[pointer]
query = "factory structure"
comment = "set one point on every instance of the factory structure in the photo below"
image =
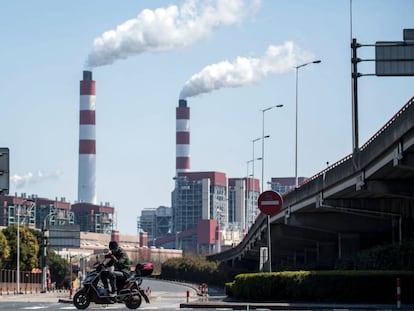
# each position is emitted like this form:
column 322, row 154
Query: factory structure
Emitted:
column 84, row 226
column 208, row 212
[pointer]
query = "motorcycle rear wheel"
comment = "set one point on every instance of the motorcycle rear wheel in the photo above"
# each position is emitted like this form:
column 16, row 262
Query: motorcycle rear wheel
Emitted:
column 81, row 300
column 135, row 301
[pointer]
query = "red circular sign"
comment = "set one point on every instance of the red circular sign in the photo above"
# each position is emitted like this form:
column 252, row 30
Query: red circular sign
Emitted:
column 270, row 202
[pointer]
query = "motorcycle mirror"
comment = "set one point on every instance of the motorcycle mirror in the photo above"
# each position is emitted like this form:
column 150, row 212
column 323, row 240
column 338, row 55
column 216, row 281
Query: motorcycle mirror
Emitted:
column 106, row 251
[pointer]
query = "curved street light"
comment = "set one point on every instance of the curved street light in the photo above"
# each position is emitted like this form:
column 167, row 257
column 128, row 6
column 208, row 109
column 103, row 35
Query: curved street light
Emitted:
column 263, row 162
column 263, row 137
column 296, row 119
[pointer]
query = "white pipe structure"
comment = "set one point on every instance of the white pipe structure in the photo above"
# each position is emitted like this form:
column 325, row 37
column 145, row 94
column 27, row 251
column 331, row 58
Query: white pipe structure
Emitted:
column 296, row 118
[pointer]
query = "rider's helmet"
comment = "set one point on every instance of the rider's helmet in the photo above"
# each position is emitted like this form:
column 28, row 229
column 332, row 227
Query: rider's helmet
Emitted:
column 113, row 245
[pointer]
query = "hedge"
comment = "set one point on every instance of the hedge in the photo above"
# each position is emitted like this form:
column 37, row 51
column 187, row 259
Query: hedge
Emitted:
column 324, row 286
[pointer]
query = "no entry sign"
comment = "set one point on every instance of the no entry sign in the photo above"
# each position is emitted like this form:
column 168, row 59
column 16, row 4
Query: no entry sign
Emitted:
column 270, row 202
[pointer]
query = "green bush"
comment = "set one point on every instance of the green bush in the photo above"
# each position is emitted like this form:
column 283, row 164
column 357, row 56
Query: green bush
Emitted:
column 382, row 257
column 323, row 286
column 193, row 269
column 198, row 270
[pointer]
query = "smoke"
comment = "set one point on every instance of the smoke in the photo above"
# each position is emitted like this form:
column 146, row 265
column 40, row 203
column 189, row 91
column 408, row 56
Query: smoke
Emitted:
column 29, row 178
column 242, row 71
column 167, row 28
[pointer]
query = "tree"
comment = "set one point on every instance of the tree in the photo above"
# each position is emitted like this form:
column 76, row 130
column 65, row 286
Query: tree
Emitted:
column 29, row 248
column 4, row 249
column 59, row 269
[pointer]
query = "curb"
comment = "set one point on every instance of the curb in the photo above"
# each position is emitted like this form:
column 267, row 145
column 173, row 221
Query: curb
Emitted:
column 63, row 300
column 291, row 306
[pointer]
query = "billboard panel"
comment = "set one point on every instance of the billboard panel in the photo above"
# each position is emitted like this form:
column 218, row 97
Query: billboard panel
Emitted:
column 4, row 171
column 408, row 34
column 394, row 59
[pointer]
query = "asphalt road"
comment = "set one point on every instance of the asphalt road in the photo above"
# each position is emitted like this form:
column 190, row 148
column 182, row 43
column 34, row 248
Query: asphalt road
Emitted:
column 164, row 296
column 173, row 296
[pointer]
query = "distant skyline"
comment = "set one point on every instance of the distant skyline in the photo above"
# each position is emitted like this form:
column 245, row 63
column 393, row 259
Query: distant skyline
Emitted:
column 229, row 59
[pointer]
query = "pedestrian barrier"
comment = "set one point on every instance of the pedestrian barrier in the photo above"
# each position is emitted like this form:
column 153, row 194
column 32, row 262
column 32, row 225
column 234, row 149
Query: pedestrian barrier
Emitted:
column 204, row 291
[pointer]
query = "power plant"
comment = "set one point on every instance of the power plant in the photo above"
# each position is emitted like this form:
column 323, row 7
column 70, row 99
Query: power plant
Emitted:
column 208, row 209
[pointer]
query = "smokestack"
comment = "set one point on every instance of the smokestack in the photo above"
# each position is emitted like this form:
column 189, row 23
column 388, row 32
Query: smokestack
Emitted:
column 182, row 162
column 87, row 141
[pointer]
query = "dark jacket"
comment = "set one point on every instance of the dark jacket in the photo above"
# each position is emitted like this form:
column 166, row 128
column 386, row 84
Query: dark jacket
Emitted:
column 121, row 261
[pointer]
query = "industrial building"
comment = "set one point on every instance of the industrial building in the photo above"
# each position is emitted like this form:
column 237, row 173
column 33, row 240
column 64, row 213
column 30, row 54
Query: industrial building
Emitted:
column 62, row 220
column 94, row 218
column 156, row 222
column 243, row 195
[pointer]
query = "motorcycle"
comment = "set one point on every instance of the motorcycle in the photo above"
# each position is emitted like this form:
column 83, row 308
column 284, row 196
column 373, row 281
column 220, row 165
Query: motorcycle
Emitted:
column 129, row 291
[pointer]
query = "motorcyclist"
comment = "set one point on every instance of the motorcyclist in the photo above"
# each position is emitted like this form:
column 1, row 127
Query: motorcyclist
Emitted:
column 119, row 259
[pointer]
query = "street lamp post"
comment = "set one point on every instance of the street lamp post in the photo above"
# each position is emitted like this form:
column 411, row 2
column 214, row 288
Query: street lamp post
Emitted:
column 296, row 118
column 250, row 189
column 18, row 240
column 261, row 158
column 263, row 162
column 45, row 236
column 219, row 213
column 263, row 137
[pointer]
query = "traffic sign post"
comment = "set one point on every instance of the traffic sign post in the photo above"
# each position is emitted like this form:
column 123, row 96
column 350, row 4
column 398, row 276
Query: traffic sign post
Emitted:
column 269, row 202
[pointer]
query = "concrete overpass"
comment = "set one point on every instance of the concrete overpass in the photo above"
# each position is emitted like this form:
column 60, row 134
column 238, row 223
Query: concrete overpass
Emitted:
column 363, row 200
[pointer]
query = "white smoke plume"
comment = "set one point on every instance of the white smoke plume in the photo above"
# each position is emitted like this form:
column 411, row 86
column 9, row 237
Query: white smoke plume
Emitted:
column 29, row 178
column 164, row 29
column 242, row 71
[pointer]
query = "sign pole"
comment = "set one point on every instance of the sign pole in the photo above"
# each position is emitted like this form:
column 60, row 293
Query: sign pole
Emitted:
column 269, row 202
column 269, row 244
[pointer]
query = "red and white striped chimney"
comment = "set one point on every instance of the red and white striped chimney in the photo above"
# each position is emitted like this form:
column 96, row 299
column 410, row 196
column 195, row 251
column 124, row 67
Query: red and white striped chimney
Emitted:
column 182, row 161
column 87, row 141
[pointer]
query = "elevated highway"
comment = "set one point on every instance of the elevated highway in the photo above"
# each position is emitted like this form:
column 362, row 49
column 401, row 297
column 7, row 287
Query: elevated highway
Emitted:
column 363, row 200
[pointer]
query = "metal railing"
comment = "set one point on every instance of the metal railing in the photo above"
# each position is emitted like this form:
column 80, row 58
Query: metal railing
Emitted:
column 29, row 281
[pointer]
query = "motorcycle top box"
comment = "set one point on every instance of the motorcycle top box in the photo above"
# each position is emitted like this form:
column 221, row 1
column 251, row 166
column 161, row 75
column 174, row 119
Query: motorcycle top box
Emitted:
column 145, row 268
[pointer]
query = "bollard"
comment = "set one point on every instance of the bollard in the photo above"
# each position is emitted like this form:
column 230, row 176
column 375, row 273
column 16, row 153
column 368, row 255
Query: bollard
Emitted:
column 398, row 294
column 70, row 293
column 188, row 295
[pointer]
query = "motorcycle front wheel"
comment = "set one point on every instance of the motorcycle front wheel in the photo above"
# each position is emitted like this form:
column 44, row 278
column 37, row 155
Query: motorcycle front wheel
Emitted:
column 81, row 300
column 134, row 301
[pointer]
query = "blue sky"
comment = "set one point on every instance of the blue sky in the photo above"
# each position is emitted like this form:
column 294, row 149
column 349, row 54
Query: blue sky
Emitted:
column 45, row 45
